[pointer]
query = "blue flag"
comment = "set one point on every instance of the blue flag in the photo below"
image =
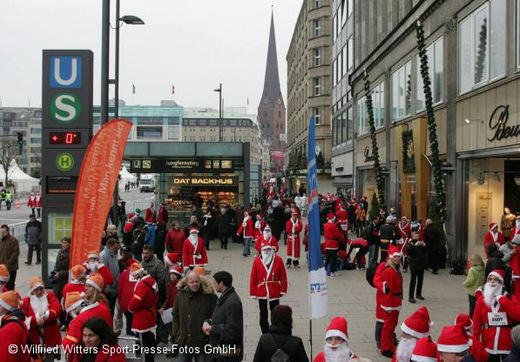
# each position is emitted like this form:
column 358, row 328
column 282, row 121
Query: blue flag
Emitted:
column 317, row 275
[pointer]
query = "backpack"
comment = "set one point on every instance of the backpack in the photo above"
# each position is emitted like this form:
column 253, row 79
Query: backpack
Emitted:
column 279, row 355
column 370, row 273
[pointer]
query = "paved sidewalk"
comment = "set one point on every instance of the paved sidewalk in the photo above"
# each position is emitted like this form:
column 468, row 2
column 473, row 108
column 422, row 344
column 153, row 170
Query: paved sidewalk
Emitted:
column 349, row 295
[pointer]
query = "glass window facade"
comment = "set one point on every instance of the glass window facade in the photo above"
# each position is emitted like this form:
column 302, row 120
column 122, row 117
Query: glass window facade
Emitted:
column 434, row 52
column 402, row 92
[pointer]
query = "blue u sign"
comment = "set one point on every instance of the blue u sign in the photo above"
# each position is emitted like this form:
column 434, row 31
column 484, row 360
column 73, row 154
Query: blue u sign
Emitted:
column 65, row 72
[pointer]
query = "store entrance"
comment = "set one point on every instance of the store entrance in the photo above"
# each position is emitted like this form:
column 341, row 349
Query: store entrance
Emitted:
column 512, row 185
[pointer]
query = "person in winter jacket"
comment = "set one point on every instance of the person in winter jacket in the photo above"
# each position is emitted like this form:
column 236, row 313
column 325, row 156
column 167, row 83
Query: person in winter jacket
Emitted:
column 101, row 342
column 125, row 292
column 514, row 355
column 33, row 238
column 194, row 251
column 332, row 237
column 417, row 263
column 108, row 257
column 280, row 336
column 60, row 273
column 247, row 231
column 174, row 275
column 493, row 236
column 13, row 331
column 224, row 227
column 475, row 279
column 175, row 239
column 476, row 349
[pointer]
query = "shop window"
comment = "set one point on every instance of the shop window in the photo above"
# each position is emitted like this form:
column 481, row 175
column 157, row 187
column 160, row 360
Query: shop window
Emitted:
column 216, row 164
column 378, row 100
column 482, row 45
column 434, row 52
column 362, row 116
column 227, row 164
column 401, row 92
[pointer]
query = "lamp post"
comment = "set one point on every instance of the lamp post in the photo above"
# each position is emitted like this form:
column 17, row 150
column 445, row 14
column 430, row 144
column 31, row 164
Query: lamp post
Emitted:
column 105, row 52
column 219, row 90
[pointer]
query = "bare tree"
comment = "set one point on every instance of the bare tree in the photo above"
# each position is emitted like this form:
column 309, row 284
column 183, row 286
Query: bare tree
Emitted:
column 8, row 152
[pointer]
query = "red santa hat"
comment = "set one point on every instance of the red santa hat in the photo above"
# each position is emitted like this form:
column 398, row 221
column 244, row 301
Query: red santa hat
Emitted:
column 453, row 339
column 418, row 324
column 35, row 283
column 331, row 216
column 73, row 300
column 176, row 269
column 10, row 300
column 425, row 350
column 295, row 213
column 464, row 320
column 259, row 216
column 337, row 328
column 492, row 225
column 394, row 250
column 96, row 281
column 499, row 274
column 4, row 273
column 135, row 269
column 194, row 231
column 172, row 258
column 77, row 271
column 265, row 245
column 267, row 227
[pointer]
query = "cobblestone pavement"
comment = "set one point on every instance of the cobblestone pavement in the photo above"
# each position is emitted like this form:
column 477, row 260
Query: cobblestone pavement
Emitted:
column 349, row 296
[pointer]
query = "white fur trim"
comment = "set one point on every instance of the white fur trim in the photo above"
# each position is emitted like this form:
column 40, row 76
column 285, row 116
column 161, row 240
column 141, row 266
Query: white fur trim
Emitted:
column 336, row 333
column 93, row 285
column 4, row 279
column 452, row 348
column 412, row 332
column 36, row 286
column 423, row 358
column 498, row 276
column 5, row 305
column 74, row 305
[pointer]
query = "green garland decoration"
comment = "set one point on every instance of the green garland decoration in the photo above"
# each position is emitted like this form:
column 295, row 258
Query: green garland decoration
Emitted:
column 375, row 149
column 432, row 125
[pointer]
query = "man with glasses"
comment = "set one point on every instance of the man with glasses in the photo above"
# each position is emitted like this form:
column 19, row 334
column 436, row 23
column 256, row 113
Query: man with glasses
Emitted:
column 9, row 253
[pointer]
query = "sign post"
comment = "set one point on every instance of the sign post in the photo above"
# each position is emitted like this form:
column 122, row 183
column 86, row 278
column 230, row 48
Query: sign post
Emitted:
column 66, row 130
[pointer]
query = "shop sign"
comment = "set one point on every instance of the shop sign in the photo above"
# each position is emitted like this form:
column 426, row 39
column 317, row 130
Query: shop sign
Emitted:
column 368, row 155
column 175, row 165
column 498, row 124
column 206, row 181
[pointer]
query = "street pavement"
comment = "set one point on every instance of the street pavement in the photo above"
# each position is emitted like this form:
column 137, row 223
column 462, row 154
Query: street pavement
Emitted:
column 349, row 296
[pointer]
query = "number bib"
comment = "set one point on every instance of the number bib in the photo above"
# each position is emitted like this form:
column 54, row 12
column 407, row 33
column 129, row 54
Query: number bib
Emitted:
column 497, row 319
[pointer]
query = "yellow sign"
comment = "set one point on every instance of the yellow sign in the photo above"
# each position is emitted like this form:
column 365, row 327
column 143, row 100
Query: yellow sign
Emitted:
column 203, row 181
column 64, row 162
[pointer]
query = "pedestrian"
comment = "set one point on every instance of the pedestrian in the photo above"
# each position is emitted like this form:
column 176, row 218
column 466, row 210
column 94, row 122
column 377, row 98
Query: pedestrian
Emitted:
column 100, row 343
column 268, row 282
column 143, row 306
column 194, row 303
column 174, row 274
column 493, row 236
column 337, row 346
column 432, row 238
column 226, row 326
column 94, row 290
column 125, row 292
column 494, row 316
column 94, row 265
column 416, row 326
column 476, row 349
column 417, row 263
column 392, row 284
column 108, row 257
column 278, row 342
column 76, row 284
column 31, row 203
column 33, row 239
column 453, row 345
column 388, row 235
column 293, row 229
column 266, row 238
column 514, row 262
column 175, row 239
column 495, row 261
column 156, row 269
column 194, row 224
column 514, row 355
column 9, row 253
column 475, row 279
column 223, row 227
column 38, row 205
column 194, row 252
column 373, row 240
column 43, row 310
column 13, row 331
column 332, row 238
column 60, row 273
column 247, row 231
column 425, row 350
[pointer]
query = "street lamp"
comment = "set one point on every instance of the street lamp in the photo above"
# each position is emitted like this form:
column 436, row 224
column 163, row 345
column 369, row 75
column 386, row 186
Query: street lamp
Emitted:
column 130, row 20
column 219, row 90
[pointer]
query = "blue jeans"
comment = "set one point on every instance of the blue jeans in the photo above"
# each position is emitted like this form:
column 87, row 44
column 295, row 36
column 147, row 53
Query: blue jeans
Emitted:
column 247, row 246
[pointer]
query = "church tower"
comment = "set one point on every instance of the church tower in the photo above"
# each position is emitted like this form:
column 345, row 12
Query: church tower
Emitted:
column 271, row 110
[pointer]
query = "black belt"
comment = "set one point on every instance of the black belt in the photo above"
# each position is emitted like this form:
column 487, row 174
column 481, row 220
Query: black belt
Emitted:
column 486, row 326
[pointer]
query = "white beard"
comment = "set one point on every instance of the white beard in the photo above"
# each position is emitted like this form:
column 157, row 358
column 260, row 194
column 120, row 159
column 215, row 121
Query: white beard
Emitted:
column 194, row 239
column 517, row 225
column 338, row 354
column 93, row 267
column 267, row 236
column 267, row 258
column 39, row 305
column 490, row 293
column 405, row 349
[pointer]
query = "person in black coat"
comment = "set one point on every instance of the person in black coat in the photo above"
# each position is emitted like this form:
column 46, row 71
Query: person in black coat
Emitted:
column 224, row 227
column 387, row 235
column 278, row 220
column 416, row 264
column 372, row 237
column 226, row 326
column 514, row 355
column 280, row 337
column 432, row 238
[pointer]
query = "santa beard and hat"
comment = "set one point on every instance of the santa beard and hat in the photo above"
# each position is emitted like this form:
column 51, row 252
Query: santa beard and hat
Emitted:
column 416, row 326
column 339, row 352
column 493, row 289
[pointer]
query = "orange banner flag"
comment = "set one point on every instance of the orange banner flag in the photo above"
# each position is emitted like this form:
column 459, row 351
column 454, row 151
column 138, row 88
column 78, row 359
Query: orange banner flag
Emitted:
column 95, row 188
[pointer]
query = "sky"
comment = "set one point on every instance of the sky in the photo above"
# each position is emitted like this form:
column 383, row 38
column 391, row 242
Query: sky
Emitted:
column 191, row 44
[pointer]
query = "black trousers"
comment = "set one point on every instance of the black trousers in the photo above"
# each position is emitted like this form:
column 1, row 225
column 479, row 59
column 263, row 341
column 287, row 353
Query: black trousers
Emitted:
column 378, row 329
column 12, row 280
column 331, row 257
column 264, row 315
column 496, row 357
column 416, row 276
column 472, row 300
column 223, row 241
column 129, row 316
column 148, row 340
column 38, row 249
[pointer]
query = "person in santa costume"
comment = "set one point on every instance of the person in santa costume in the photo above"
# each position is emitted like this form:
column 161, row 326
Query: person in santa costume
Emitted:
column 171, row 259
column 266, row 238
column 493, row 236
column 377, row 282
column 4, row 278
column 81, row 311
column 425, row 350
column 259, row 226
column 413, row 328
column 194, row 251
column 494, row 316
column 332, row 238
column 247, row 231
column 515, row 230
column 392, row 286
column 453, row 346
column 336, row 343
column 476, row 349
column 77, row 282
column 94, row 289
column 268, row 282
column 13, row 330
column 514, row 263
column 143, row 305
column 125, row 292
column 93, row 265
column 293, row 228
column 43, row 310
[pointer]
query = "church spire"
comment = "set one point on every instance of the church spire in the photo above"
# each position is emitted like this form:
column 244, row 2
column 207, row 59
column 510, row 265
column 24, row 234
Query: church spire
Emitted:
column 272, row 81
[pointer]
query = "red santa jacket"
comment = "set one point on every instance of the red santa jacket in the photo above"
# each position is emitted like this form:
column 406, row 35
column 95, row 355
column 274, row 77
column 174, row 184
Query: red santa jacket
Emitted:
column 38, row 201
column 73, row 287
column 75, row 328
column 489, row 239
column 171, row 293
column 31, row 202
column 259, row 228
column 162, row 216
column 144, row 305
column 332, row 235
column 125, row 290
column 51, row 327
column 392, row 286
column 477, row 350
column 194, row 255
column 261, row 241
column 148, row 216
column 405, row 232
column 106, row 353
column 268, row 282
column 378, row 284
column 175, row 241
column 297, row 229
column 13, row 332
column 342, row 214
column 246, row 228
column 496, row 340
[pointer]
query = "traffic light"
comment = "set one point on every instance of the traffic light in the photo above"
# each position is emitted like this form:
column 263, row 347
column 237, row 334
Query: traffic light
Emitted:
column 20, row 142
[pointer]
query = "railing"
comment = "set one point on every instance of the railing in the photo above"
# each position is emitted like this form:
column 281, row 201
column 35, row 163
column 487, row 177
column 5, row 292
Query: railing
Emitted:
column 18, row 231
